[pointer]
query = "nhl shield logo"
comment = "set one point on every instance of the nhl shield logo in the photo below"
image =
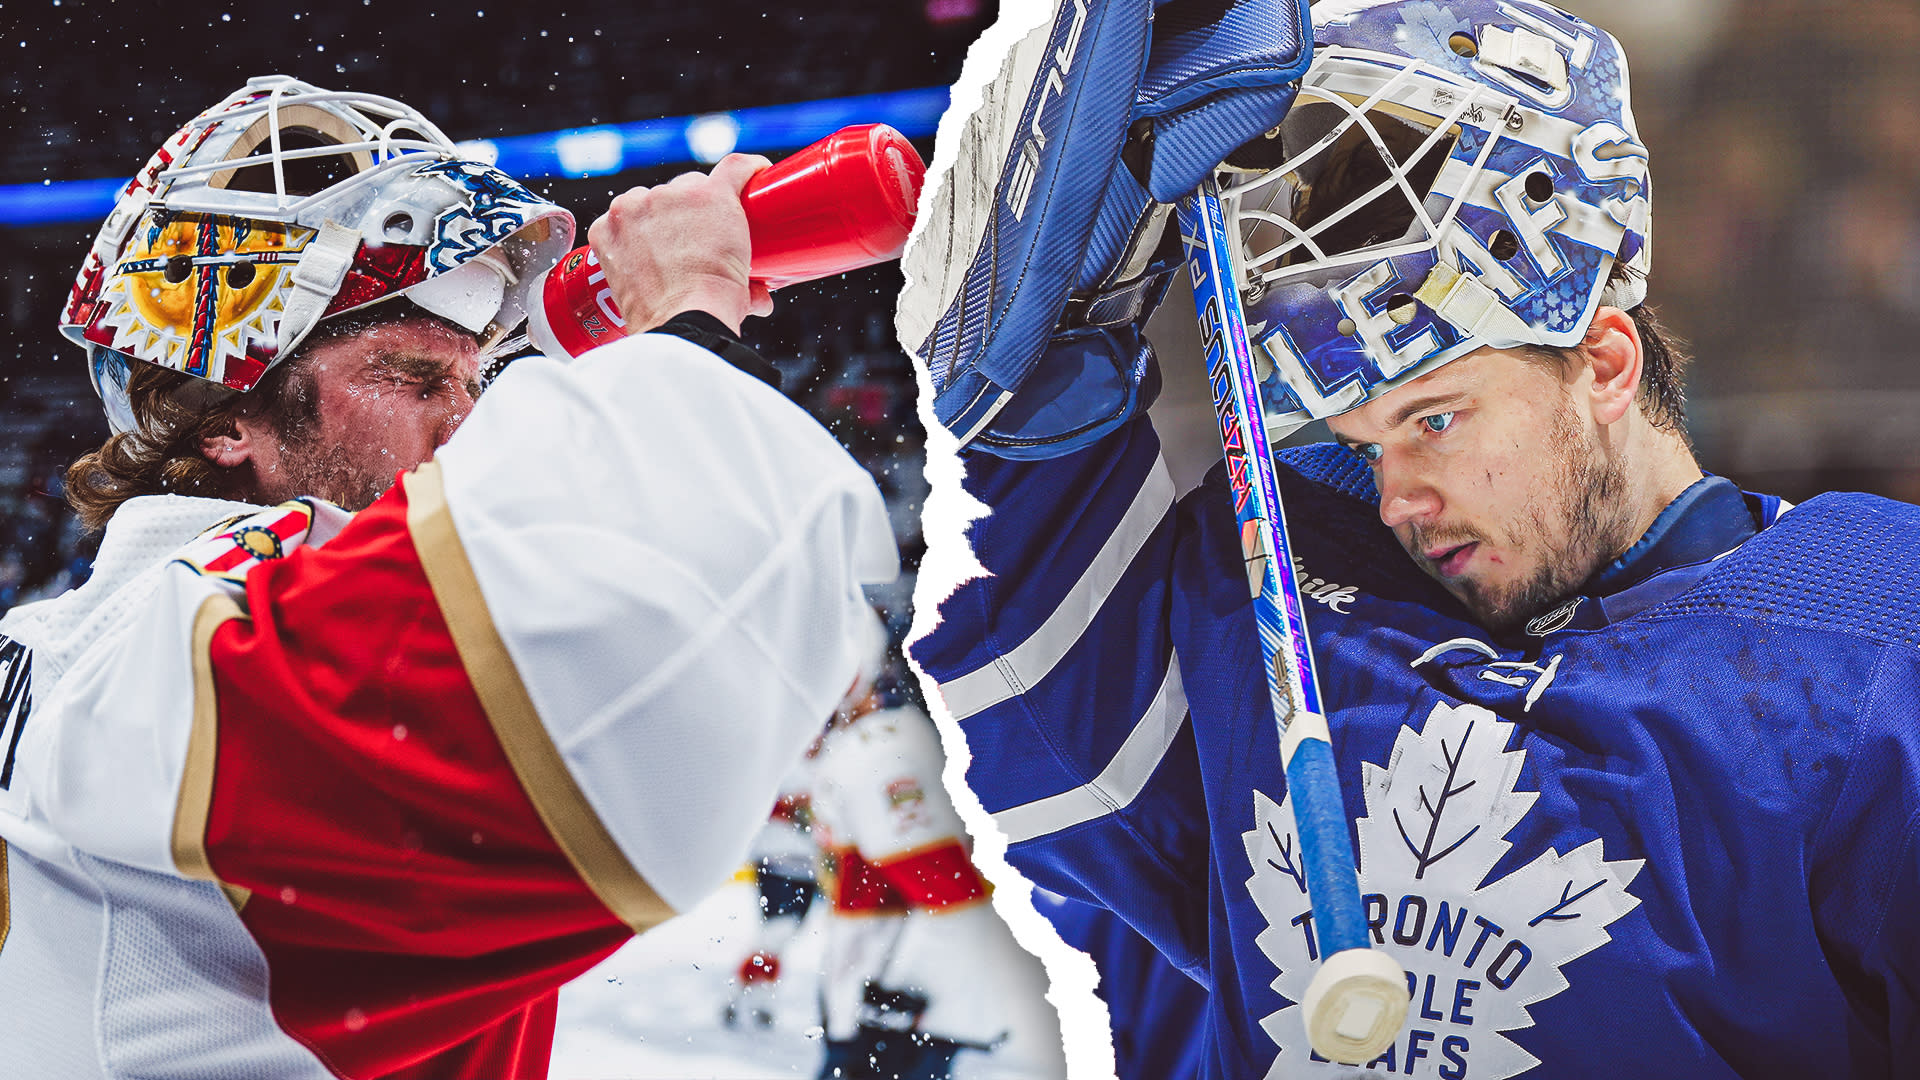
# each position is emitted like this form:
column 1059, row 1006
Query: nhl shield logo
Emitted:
column 1555, row 620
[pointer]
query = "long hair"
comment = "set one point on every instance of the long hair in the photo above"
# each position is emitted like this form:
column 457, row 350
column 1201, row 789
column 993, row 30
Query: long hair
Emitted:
column 163, row 454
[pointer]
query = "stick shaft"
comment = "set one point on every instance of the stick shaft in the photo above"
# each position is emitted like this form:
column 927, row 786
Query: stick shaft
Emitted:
column 1293, row 686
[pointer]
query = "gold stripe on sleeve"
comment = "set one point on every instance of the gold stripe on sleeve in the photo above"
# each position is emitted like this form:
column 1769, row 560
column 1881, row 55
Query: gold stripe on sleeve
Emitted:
column 6, row 913
column 203, row 744
column 556, row 797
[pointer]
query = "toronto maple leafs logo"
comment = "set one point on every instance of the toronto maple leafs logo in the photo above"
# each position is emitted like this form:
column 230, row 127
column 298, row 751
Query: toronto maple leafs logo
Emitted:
column 497, row 205
column 1476, row 952
column 1427, row 30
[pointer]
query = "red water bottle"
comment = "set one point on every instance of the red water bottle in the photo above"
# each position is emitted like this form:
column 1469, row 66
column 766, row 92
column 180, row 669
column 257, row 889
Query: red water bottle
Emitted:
column 843, row 203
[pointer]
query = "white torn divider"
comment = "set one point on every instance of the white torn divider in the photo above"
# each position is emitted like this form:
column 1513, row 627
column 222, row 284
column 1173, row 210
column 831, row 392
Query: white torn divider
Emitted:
column 969, row 154
column 970, row 149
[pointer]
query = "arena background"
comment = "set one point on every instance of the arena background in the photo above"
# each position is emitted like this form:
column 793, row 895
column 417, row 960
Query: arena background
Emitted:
column 92, row 88
column 1785, row 137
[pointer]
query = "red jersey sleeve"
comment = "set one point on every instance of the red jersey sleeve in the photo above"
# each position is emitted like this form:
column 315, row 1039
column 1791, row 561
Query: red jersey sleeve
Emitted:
column 934, row 877
column 415, row 906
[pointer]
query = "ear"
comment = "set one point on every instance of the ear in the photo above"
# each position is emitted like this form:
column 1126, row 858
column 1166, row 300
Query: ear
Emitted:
column 235, row 447
column 1612, row 348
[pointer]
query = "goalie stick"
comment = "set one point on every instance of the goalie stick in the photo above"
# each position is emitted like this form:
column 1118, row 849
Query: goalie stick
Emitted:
column 1357, row 1001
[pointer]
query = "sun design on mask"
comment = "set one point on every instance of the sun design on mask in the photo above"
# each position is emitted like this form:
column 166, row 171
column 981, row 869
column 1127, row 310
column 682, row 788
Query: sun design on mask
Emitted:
column 193, row 291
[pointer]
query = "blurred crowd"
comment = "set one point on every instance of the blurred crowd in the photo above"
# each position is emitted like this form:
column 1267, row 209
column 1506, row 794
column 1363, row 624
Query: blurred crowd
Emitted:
column 42, row 550
column 95, row 86
column 1786, row 162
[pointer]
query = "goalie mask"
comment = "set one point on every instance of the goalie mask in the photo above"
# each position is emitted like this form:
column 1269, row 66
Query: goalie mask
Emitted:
column 1453, row 175
column 284, row 205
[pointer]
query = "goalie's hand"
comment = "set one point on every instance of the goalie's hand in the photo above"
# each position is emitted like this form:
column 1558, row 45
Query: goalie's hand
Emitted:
column 682, row 246
column 1038, row 261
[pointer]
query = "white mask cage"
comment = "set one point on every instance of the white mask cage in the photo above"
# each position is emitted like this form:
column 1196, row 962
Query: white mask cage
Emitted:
column 1361, row 156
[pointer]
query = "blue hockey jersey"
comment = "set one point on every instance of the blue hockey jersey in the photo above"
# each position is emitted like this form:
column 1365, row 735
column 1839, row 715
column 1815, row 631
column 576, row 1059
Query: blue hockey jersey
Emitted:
column 1668, row 830
column 1156, row 1013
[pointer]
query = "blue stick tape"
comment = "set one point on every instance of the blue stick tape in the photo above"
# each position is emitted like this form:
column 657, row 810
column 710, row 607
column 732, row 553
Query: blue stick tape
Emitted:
column 1333, row 885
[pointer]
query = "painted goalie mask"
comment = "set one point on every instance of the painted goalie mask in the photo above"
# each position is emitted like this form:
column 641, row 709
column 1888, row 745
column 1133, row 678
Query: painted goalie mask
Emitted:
column 285, row 205
column 1453, row 175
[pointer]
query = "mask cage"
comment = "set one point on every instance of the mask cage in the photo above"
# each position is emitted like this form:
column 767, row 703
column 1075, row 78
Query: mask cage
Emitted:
column 1362, row 152
column 297, row 152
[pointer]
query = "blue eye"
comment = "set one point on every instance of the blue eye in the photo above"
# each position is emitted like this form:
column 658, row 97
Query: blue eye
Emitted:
column 1438, row 422
column 1369, row 452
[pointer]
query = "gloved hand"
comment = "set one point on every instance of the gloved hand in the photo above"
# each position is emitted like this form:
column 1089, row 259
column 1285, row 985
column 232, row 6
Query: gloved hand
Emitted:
column 1042, row 255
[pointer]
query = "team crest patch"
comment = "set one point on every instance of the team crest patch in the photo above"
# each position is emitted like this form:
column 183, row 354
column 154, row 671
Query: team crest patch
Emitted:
column 231, row 549
column 1476, row 952
column 907, row 803
column 904, row 793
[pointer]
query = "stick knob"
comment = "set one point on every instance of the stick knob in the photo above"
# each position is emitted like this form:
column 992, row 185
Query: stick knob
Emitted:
column 1355, row 1005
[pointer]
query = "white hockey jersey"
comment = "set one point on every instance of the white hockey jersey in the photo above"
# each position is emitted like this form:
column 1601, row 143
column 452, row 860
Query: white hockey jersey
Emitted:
column 329, row 795
column 909, row 911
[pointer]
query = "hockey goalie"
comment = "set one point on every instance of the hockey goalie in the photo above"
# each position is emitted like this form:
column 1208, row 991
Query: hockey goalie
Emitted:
column 323, row 775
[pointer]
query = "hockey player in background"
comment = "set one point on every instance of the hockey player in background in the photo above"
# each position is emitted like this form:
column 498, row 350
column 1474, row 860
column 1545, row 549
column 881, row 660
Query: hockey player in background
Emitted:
column 781, row 865
column 349, row 788
column 786, row 856
column 919, row 969
column 1630, row 753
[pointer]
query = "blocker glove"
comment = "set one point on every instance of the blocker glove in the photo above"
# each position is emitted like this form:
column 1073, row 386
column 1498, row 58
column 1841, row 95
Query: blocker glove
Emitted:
column 1041, row 256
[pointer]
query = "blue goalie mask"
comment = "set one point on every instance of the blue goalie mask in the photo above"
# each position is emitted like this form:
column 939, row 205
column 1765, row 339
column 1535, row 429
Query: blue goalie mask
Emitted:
column 1453, row 175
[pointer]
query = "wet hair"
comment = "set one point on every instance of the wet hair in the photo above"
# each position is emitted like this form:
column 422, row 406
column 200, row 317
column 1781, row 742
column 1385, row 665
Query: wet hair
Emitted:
column 1663, row 374
column 163, row 455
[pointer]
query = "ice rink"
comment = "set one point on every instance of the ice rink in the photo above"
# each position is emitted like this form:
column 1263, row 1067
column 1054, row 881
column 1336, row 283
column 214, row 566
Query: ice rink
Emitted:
column 655, row 1008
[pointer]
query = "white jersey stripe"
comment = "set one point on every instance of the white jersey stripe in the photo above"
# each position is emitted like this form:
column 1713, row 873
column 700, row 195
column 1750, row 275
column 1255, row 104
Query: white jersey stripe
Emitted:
column 1021, row 667
column 1120, row 782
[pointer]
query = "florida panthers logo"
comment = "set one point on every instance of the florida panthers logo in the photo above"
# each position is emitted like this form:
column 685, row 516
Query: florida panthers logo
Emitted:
column 497, row 207
column 231, row 549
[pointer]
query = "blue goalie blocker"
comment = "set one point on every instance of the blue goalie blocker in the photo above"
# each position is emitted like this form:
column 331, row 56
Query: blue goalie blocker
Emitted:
column 1040, row 257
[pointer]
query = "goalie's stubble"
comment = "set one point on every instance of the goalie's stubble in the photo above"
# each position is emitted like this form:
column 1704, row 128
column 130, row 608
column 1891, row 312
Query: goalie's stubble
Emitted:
column 1572, row 523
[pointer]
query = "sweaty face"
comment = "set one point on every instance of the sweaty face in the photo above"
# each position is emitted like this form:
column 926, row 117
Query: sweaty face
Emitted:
column 384, row 400
column 1495, row 481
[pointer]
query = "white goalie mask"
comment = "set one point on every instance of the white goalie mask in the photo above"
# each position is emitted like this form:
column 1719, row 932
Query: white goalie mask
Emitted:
column 285, row 205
